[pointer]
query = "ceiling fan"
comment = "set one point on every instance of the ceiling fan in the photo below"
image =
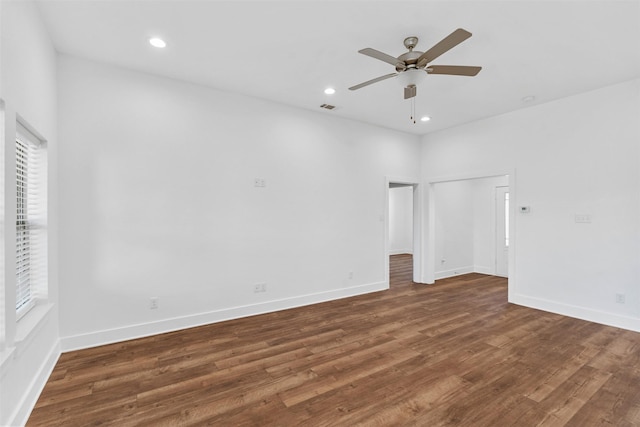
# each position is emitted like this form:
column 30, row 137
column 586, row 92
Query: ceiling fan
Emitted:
column 411, row 64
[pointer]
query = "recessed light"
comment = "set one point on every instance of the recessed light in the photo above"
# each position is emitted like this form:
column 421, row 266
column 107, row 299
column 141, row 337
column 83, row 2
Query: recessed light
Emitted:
column 425, row 118
column 528, row 98
column 156, row 42
column 329, row 91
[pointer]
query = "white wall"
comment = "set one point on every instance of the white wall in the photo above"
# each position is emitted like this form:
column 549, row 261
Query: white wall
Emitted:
column 484, row 223
column 453, row 228
column 401, row 220
column 577, row 155
column 27, row 89
column 158, row 200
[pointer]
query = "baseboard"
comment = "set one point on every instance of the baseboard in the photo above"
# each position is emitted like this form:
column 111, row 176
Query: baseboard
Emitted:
column 453, row 272
column 604, row 318
column 21, row 414
column 94, row 339
column 401, row 252
column 483, row 270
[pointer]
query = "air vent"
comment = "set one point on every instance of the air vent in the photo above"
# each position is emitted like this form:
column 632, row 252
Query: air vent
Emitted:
column 328, row 106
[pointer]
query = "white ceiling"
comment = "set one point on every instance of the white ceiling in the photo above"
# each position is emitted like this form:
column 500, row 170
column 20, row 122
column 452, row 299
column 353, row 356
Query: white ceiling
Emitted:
column 289, row 52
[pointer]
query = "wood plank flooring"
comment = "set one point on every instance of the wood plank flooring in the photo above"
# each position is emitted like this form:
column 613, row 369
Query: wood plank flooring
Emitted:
column 453, row 353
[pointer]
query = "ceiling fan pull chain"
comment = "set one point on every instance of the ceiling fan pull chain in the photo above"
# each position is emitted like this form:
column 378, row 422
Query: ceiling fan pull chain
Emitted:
column 413, row 109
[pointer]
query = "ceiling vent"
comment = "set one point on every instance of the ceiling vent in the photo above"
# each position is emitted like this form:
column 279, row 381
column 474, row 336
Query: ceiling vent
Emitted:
column 328, row 106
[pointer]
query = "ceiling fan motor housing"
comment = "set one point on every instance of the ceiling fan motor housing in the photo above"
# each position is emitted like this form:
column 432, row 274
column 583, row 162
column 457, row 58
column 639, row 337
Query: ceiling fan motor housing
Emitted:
column 410, row 58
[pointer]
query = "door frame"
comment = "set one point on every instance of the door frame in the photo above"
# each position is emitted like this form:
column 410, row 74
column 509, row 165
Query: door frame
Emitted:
column 499, row 246
column 418, row 250
column 429, row 261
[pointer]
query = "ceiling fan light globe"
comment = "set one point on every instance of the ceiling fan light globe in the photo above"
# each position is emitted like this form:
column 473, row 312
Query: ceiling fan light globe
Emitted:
column 411, row 76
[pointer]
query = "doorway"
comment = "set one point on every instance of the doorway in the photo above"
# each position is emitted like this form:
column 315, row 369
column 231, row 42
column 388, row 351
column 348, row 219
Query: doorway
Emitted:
column 403, row 224
column 483, row 241
column 400, row 214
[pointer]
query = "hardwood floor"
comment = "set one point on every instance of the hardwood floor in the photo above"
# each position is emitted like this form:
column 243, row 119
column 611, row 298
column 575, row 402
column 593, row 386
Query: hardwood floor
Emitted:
column 453, row 353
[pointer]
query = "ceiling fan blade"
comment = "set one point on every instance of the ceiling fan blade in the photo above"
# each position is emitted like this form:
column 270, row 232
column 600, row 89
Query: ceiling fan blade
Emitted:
column 449, row 42
column 380, row 55
column 454, row 70
column 410, row 91
column 372, row 81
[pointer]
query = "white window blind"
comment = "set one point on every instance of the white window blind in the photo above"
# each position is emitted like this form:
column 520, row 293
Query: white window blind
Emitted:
column 31, row 215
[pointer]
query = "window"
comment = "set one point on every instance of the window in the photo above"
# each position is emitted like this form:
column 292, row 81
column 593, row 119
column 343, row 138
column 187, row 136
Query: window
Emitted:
column 31, row 214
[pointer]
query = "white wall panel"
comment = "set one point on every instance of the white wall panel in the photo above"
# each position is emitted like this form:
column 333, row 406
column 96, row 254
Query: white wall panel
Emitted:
column 577, row 155
column 158, row 197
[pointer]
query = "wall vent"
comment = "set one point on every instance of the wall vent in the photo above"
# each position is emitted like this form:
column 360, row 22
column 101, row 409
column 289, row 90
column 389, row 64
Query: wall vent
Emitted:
column 328, row 106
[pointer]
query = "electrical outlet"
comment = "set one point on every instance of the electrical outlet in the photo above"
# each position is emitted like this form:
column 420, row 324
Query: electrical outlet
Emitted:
column 350, row 275
column 259, row 287
column 259, row 182
column 154, row 303
column 620, row 299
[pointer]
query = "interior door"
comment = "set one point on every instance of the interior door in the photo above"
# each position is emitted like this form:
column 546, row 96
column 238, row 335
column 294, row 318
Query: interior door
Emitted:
column 502, row 231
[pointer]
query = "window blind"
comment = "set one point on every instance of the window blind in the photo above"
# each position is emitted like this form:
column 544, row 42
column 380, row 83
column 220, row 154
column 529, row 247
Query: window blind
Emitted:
column 31, row 208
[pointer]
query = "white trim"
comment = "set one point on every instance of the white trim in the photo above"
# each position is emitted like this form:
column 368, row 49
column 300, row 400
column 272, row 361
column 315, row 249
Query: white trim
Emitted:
column 408, row 251
column 25, row 309
column 583, row 313
column 21, row 413
column 406, row 180
column 483, row 270
column 494, row 213
column 418, row 233
column 453, row 272
column 429, row 271
column 26, row 126
column 109, row 336
column 6, row 354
